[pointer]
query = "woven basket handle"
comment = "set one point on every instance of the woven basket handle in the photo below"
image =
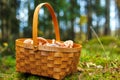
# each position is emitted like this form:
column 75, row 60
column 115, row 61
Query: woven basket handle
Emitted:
column 35, row 22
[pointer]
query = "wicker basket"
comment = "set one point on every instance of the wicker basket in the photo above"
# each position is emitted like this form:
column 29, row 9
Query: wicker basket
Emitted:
column 53, row 62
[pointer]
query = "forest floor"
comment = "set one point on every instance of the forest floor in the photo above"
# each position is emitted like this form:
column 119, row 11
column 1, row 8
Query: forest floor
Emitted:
column 96, row 63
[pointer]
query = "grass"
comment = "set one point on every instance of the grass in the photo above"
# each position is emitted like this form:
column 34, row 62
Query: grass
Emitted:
column 100, row 65
column 94, row 63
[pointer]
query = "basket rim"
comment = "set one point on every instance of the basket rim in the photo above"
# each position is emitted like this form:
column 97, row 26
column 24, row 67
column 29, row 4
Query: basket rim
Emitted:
column 77, row 47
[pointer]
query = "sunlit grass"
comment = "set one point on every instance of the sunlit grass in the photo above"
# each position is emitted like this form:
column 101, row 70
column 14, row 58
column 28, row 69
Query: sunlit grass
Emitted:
column 94, row 64
column 103, row 65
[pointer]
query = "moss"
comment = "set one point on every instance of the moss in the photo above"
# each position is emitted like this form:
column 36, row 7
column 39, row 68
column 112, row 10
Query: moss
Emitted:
column 91, row 52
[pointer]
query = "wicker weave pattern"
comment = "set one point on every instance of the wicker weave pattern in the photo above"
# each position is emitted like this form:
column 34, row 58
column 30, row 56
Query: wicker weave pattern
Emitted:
column 47, row 61
column 51, row 64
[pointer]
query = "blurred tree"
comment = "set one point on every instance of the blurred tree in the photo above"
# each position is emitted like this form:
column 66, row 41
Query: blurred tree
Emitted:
column 118, row 8
column 28, row 29
column 107, row 15
column 82, row 22
column 9, row 24
column 99, row 11
column 74, row 12
column 89, row 32
column 94, row 9
column 118, row 3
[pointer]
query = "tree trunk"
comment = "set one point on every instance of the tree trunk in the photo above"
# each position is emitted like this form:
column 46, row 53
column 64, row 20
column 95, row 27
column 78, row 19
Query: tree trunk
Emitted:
column 72, row 2
column 72, row 27
column 107, row 24
column 9, row 23
column 117, row 32
column 4, row 31
column 97, row 27
column 89, row 33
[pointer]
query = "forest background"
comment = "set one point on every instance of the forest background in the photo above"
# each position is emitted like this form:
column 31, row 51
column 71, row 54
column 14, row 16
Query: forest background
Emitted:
column 92, row 23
